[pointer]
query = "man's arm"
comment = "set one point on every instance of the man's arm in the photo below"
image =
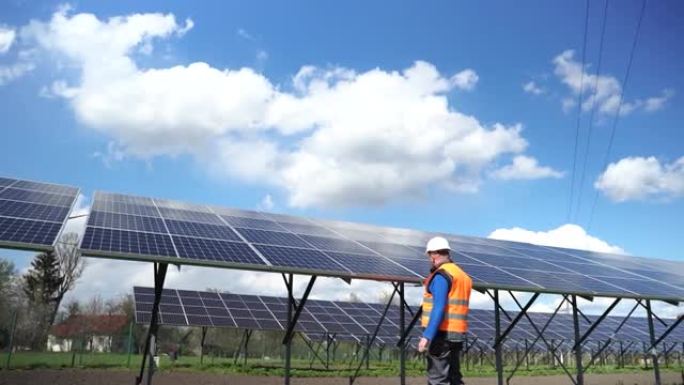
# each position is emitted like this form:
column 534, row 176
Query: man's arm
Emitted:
column 439, row 287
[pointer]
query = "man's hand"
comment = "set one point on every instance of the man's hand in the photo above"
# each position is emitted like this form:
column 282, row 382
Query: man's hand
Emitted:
column 423, row 344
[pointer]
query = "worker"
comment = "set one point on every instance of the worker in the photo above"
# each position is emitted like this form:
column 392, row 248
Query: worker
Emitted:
column 445, row 315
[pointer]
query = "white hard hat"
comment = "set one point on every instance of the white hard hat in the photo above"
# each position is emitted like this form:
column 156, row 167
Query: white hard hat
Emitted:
column 437, row 243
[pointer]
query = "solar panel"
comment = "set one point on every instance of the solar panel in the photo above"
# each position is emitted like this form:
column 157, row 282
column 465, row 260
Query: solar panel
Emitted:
column 354, row 321
column 215, row 236
column 32, row 214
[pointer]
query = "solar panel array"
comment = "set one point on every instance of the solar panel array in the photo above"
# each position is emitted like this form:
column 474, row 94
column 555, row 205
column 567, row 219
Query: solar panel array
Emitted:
column 140, row 228
column 356, row 320
column 32, row 214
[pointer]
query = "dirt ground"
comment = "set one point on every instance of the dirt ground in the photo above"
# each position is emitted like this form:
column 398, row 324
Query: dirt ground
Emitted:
column 110, row 377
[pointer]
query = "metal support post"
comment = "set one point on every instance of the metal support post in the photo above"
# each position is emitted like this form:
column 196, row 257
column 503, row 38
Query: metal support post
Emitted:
column 150, row 342
column 287, row 341
column 402, row 320
column 497, row 345
column 578, row 345
column 652, row 350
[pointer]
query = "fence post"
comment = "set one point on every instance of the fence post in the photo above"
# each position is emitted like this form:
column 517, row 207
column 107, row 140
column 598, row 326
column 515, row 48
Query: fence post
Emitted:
column 11, row 340
column 130, row 344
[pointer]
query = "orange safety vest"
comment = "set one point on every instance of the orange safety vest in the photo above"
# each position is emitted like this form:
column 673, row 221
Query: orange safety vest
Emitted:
column 456, row 312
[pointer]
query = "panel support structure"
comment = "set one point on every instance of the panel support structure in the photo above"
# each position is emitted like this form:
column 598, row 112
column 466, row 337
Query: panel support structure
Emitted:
column 497, row 347
column 578, row 344
column 292, row 318
column 151, row 340
column 652, row 350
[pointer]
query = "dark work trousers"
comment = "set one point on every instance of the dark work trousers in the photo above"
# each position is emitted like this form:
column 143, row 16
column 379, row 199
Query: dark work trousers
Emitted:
column 443, row 362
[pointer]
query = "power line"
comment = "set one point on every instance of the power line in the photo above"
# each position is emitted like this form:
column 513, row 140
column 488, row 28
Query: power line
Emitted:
column 617, row 113
column 579, row 112
column 591, row 115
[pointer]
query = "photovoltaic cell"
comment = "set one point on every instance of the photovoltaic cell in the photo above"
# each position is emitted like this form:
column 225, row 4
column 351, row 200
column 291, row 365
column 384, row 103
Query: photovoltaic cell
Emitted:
column 28, row 232
column 191, row 216
column 370, row 265
column 125, row 208
column 201, row 230
column 215, row 250
column 334, row 244
column 274, row 238
column 120, row 242
column 46, row 187
column 33, row 211
column 6, row 181
column 300, row 258
column 126, row 222
column 252, row 223
column 36, row 197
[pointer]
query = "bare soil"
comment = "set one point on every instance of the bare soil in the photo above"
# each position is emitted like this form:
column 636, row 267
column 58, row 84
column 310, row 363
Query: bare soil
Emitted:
column 113, row 377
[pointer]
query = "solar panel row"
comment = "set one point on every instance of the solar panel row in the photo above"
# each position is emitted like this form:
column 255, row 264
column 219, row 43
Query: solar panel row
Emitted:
column 357, row 319
column 153, row 229
column 32, row 214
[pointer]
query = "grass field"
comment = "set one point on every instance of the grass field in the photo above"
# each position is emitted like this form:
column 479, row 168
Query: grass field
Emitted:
column 301, row 368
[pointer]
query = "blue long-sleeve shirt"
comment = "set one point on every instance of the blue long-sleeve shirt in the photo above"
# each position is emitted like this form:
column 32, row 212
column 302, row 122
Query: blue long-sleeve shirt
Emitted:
column 439, row 287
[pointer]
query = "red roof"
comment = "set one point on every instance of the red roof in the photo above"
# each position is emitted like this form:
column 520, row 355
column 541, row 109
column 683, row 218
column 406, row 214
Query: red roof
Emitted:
column 79, row 325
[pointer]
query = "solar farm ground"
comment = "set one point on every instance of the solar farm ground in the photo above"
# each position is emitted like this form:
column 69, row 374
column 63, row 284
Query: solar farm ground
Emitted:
column 119, row 377
column 110, row 369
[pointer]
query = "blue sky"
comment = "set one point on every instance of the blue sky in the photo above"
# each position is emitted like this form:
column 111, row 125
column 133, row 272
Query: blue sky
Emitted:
column 477, row 59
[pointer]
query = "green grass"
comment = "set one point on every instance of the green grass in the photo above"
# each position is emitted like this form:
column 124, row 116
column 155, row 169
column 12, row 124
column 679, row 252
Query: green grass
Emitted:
column 300, row 368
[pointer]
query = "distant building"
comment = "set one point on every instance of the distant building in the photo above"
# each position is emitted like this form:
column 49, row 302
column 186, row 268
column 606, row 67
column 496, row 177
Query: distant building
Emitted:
column 95, row 332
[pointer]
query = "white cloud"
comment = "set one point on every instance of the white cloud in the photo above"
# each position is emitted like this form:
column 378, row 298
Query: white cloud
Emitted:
column 658, row 102
column 363, row 137
column 244, row 34
column 525, row 167
column 603, row 91
column 13, row 71
column 567, row 236
column 266, row 203
column 532, row 88
column 639, row 178
column 7, row 36
column 79, row 213
column 465, row 80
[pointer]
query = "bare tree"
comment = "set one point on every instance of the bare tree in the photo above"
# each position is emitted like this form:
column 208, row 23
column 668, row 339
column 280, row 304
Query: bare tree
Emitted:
column 95, row 305
column 71, row 267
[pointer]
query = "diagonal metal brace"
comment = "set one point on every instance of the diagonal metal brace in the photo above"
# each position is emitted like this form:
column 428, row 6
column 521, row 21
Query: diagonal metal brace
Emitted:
column 413, row 322
column 668, row 331
column 299, row 307
column 596, row 323
column 517, row 318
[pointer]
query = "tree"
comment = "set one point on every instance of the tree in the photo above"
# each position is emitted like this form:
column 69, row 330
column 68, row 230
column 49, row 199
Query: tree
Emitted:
column 43, row 280
column 51, row 276
column 71, row 267
column 7, row 274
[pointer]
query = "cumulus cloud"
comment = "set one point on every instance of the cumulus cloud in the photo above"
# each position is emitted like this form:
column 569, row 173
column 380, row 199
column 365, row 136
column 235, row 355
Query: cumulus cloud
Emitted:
column 465, row 80
column 7, row 36
column 639, row 178
column 602, row 92
column 532, row 88
column 525, row 167
column 332, row 137
column 567, row 236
